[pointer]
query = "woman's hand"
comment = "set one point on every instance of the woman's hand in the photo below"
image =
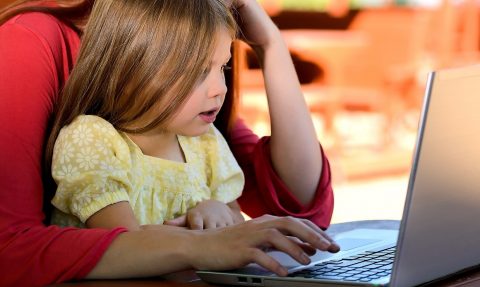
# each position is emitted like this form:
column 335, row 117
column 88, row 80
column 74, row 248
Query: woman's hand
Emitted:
column 297, row 237
column 165, row 249
column 209, row 214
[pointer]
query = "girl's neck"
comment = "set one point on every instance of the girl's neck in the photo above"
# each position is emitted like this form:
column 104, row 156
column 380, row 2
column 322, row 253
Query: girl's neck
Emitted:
column 164, row 146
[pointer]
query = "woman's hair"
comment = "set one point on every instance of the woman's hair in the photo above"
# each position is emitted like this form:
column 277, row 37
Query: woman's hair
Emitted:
column 140, row 57
column 72, row 12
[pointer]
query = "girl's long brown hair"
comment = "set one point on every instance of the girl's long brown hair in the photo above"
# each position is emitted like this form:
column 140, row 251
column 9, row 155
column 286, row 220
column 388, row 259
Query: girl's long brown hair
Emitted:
column 139, row 57
column 76, row 12
column 102, row 80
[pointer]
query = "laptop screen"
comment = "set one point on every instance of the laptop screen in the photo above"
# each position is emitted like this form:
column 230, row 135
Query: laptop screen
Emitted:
column 439, row 233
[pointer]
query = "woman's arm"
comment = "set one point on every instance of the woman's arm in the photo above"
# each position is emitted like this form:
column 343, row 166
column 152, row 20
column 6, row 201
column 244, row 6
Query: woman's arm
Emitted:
column 32, row 46
column 31, row 50
column 168, row 249
column 295, row 151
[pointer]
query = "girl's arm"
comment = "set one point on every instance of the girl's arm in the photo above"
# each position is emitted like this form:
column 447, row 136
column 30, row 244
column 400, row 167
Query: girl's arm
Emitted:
column 207, row 214
column 114, row 215
column 265, row 192
column 295, row 151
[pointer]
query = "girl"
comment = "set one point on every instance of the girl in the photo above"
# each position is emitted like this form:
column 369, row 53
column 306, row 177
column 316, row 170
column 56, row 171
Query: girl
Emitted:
column 39, row 42
column 138, row 146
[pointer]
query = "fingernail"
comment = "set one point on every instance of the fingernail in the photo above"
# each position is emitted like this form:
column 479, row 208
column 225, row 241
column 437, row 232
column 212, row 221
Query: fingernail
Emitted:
column 326, row 243
column 305, row 259
column 334, row 247
column 283, row 271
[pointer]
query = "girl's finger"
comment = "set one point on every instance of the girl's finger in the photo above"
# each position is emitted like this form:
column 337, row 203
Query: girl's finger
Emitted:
column 229, row 219
column 210, row 223
column 179, row 221
column 195, row 221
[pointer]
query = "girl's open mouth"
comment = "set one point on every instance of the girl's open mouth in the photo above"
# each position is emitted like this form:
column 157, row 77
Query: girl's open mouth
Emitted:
column 209, row 116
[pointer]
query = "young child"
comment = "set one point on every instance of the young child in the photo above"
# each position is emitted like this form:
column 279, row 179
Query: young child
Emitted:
column 133, row 142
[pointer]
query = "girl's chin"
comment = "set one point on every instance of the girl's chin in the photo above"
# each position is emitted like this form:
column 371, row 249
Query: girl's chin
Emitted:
column 198, row 131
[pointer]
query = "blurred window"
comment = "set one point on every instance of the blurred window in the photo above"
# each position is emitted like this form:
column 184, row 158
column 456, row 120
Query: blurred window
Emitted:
column 322, row 5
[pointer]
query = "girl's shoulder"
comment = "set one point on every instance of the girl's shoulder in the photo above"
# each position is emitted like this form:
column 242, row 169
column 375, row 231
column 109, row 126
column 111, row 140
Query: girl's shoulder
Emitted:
column 90, row 126
column 95, row 136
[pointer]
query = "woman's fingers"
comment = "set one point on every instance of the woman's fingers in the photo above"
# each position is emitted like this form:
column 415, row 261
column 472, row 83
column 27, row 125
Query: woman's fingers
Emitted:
column 278, row 241
column 307, row 248
column 261, row 258
column 250, row 239
column 334, row 247
column 297, row 228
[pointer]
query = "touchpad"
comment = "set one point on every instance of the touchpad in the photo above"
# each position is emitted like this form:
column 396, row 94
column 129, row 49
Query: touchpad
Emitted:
column 348, row 243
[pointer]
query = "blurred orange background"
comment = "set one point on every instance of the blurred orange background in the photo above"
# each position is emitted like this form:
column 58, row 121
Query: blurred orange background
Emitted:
column 363, row 66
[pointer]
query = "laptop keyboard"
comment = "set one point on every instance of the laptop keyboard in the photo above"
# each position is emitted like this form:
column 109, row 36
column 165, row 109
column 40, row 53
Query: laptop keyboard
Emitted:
column 363, row 267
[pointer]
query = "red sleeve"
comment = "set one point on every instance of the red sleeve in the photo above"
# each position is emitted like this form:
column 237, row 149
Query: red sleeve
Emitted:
column 265, row 192
column 34, row 56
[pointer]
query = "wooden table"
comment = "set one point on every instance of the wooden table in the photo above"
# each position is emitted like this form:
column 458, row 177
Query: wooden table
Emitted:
column 189, row 279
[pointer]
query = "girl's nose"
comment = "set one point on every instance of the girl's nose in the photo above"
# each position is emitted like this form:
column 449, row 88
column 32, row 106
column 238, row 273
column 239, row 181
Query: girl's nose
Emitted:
column 218, row 86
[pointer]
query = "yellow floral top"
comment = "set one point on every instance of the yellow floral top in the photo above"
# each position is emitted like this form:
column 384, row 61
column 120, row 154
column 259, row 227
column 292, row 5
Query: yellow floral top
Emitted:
column 94, row 165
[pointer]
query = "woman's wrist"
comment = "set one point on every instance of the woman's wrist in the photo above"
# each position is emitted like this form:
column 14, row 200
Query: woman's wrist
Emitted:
column 146, row 253
column 190, row 248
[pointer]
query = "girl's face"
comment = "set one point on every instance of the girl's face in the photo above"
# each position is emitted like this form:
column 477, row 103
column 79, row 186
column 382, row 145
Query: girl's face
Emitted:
column 206, row 99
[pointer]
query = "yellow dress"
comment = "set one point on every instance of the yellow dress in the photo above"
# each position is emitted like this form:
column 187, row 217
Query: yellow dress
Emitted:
column 94, row 165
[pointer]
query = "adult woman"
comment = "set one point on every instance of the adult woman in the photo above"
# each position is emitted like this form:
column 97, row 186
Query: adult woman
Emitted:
column 37, row 52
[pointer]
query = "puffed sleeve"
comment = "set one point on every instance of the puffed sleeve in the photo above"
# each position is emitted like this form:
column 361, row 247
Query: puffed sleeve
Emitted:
column 265, row 192
column 227, row 176
column 91, row 166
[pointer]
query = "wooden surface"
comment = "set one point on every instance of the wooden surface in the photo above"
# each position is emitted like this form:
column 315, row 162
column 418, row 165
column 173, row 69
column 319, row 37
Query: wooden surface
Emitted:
column 189, row 279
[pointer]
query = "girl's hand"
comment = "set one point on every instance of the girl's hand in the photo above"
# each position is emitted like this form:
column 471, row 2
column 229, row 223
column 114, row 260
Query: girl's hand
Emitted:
column 296, row 237
column 298, row 165
column 256, row 26
column 209, row 214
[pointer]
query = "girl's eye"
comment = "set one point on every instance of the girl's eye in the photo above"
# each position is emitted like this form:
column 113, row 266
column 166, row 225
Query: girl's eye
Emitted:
column 204, row 74
column 226, row 68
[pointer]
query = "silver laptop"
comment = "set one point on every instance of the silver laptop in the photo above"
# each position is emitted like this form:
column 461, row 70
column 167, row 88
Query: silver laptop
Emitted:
column 439, row 232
